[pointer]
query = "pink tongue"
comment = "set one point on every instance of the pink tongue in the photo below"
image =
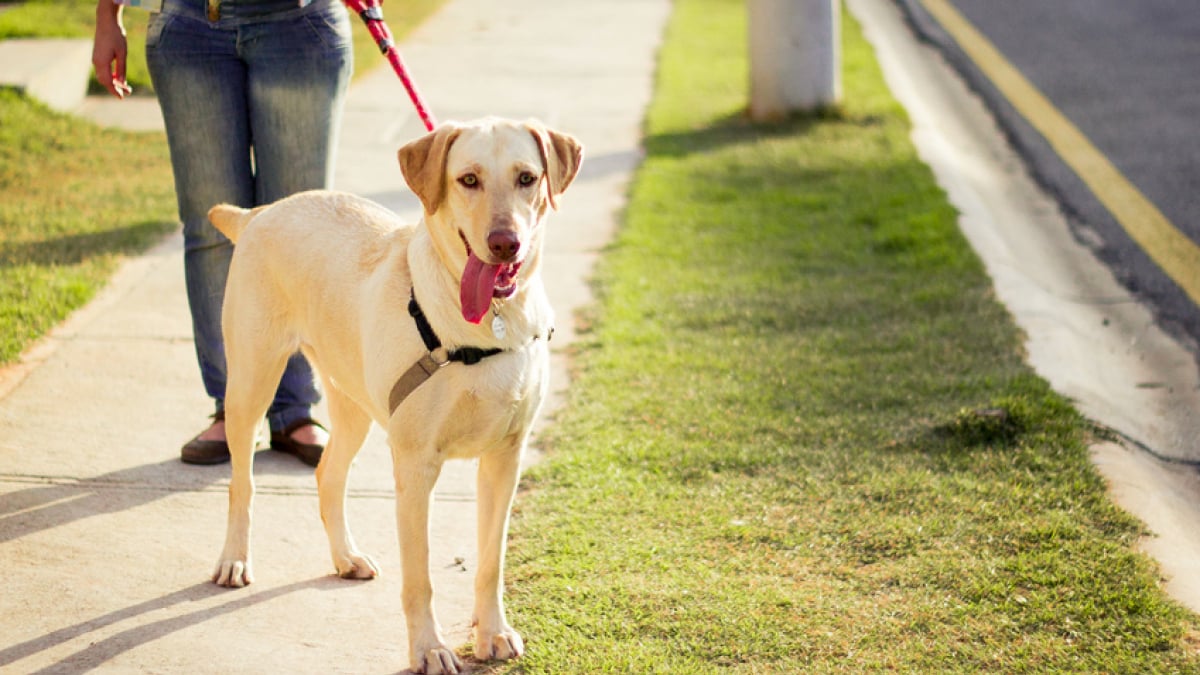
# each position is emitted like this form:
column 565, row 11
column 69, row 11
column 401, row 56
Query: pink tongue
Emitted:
column 478, row 285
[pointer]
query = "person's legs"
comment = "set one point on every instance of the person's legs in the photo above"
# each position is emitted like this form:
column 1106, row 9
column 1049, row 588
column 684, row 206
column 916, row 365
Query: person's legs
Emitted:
column 298, row 70
column 199, row 80
column 252, row 106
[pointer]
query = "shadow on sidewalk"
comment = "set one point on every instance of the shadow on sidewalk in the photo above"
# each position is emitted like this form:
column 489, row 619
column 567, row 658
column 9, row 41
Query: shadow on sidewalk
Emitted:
column 102, row 650
column 59, row 500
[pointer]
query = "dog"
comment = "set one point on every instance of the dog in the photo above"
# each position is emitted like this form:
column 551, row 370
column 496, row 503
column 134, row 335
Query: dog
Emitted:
column 341, row 279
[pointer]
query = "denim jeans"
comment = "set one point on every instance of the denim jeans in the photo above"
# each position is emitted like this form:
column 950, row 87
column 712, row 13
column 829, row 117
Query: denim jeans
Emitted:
column 252, row 103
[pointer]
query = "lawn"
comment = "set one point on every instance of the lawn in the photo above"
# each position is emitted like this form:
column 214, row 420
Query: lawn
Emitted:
column 75, row 199
column 802, row 436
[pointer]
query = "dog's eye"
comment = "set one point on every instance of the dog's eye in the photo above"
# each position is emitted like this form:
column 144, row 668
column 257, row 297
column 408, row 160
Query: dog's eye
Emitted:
column 469, row 180
column 526, row 179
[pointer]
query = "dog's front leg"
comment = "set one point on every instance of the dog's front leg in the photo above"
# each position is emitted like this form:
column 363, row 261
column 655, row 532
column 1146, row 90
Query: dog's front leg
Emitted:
column 496, row 485
column 427, row 651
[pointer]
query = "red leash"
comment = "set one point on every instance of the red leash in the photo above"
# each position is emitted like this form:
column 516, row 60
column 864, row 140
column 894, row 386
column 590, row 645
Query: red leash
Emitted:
column 371, row 12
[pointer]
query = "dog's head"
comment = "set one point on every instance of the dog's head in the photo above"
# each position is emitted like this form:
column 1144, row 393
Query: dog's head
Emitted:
column 486, row 187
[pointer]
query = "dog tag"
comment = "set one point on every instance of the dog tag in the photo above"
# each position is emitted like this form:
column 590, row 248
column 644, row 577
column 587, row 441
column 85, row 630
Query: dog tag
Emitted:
column 498, row 327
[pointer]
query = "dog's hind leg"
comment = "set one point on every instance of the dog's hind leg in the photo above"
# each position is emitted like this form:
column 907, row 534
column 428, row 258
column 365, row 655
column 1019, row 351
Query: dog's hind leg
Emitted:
column 349, row 425
column 496, row 485
column 241, row 425
column 254, row 369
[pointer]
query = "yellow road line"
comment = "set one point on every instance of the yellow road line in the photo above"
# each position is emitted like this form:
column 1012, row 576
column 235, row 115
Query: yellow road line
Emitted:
column 1169, row 248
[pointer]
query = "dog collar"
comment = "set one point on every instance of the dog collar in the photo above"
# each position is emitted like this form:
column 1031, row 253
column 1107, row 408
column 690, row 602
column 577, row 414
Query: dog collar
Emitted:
column 437, row 357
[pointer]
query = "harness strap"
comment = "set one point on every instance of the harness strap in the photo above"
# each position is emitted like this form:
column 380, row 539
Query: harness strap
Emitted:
column 412, row 378
column 437, row 358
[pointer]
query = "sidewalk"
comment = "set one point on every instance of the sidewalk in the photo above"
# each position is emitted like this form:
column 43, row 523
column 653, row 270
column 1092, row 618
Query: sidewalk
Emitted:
column 109, row 539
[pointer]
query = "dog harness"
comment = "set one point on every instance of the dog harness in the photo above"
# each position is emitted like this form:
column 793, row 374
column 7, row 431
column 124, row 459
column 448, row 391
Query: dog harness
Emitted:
column 436, row 358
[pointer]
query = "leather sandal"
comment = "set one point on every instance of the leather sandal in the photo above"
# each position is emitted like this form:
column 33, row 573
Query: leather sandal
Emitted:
column 309, row 453
column 197, row 451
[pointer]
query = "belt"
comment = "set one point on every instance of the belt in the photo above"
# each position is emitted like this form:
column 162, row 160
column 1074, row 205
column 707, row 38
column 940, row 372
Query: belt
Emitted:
column 213, row 7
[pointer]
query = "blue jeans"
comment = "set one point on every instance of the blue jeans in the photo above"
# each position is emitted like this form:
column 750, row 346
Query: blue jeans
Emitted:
column 252, row 104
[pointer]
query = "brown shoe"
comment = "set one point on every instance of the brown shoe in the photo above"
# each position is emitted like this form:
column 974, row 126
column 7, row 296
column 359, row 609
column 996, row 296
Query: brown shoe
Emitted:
column 197, row 451
column 309, row 453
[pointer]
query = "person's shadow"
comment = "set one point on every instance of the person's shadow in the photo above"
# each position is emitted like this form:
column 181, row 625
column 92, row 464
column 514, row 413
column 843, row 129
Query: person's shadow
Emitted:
column 52, row 501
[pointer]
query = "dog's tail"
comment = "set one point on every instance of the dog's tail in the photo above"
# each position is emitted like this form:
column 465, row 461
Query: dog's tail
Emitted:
column 231, row 220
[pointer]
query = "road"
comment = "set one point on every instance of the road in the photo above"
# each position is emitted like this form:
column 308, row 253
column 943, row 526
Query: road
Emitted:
column 1126, row 75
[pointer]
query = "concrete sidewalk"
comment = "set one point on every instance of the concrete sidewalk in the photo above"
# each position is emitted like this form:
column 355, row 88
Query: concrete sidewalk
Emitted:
column 109, row 539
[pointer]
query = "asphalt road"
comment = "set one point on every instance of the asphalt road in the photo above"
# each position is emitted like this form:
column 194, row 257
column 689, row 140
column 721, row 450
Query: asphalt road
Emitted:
column 1127, row 75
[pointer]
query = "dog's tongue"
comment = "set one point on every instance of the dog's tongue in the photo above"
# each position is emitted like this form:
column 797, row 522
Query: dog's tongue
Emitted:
column 478, row 286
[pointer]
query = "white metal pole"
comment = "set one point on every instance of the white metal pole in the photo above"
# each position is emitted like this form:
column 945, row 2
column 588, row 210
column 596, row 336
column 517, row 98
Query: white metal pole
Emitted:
column 795, row 56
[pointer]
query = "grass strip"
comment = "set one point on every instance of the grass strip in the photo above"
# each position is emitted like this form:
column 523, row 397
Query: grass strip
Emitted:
column 74, row 198
column 803, row 437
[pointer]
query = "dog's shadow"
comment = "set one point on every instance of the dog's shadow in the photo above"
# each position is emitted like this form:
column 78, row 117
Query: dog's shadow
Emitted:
column 109, row 647
column 54, row 501
column 101, row 651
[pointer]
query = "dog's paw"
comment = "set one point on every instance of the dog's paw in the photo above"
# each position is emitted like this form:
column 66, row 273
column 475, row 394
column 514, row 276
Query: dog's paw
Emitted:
column 233, row 573
column 356, row 566
column 437, row 661
column 501, row 645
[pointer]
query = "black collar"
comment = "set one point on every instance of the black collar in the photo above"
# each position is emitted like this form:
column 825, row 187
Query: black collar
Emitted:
column 434, row 359
column 467, row 355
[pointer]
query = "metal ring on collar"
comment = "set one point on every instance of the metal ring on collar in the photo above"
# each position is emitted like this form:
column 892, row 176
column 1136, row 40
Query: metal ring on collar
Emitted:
column 440, row 356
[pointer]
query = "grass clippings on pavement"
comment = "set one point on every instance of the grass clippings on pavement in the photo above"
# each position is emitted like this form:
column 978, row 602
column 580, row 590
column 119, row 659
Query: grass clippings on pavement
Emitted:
column 803, row 437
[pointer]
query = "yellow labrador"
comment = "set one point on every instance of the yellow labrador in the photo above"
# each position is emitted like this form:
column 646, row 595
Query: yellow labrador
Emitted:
column 362, row 294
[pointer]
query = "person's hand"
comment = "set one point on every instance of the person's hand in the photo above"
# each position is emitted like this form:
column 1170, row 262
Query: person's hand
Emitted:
column 109, row 49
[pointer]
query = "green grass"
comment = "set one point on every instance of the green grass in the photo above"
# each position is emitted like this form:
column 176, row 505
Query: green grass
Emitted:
column 803, row 437
column 74, row 198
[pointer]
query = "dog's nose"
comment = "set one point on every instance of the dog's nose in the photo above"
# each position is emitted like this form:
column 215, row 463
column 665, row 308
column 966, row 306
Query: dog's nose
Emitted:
column 504, row 244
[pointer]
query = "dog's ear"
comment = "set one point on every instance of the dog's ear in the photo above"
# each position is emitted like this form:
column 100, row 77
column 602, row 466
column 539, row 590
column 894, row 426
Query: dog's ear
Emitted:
column 562, row 155
column 423, row 163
